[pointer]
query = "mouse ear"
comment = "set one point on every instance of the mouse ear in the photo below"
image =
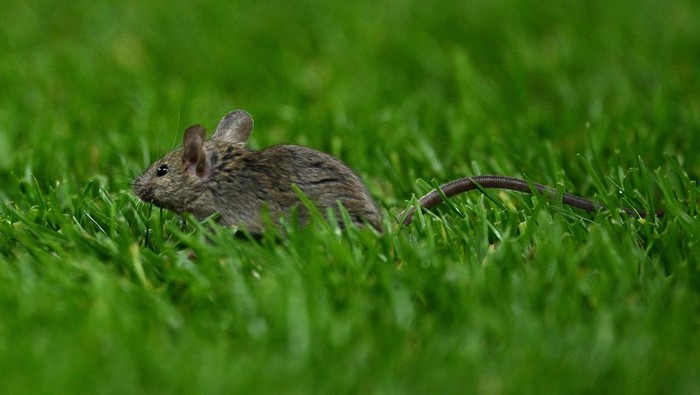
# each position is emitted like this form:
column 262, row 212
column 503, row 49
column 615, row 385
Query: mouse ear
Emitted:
column 193, row 152
column 234, row 128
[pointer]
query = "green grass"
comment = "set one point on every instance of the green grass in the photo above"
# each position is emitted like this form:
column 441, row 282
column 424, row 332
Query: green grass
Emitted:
column 503, row 293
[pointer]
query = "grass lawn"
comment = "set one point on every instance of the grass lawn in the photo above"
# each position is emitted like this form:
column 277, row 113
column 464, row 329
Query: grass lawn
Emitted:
column 505, row 293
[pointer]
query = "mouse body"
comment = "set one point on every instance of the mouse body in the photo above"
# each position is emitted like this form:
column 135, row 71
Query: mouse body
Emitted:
column 221, row 176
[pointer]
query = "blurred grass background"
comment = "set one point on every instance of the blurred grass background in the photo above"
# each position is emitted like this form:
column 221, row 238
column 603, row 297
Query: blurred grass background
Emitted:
column 481, row 297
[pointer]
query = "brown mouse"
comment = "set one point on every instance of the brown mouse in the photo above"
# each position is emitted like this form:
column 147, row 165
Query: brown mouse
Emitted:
column 221, row 176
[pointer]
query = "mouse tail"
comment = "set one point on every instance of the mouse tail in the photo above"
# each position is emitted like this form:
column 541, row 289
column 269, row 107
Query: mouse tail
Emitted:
column 467, row 184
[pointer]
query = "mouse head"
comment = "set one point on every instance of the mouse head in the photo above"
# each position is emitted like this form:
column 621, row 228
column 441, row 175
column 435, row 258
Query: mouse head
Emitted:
column 180, row 177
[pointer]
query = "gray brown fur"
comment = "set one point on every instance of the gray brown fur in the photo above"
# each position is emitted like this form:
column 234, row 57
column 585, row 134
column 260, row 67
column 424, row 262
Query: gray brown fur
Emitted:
column 222, row 176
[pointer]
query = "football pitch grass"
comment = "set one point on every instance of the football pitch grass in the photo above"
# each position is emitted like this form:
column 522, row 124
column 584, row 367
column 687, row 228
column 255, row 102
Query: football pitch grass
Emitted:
column 490, row 293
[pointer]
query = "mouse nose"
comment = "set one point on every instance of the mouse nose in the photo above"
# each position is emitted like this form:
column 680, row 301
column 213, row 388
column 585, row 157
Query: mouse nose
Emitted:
column 142, row 191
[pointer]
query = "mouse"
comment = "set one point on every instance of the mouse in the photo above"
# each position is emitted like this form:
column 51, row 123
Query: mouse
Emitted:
column 243, row 187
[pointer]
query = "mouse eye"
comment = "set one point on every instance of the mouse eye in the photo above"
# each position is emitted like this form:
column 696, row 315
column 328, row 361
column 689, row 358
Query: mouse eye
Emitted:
column 162, row 170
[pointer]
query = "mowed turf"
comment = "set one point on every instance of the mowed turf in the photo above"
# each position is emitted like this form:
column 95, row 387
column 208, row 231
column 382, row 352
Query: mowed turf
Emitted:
column 490, row 293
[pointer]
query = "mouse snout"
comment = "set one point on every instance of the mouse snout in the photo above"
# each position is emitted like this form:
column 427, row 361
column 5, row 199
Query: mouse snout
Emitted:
column 142, row 191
